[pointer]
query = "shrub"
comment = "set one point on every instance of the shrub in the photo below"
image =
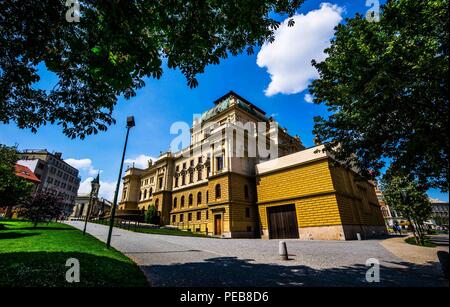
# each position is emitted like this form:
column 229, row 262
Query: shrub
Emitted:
column 151, row 216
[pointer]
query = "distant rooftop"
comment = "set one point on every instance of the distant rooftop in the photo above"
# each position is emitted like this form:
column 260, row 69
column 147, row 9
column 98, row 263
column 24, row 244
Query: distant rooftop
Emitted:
column 25, row 172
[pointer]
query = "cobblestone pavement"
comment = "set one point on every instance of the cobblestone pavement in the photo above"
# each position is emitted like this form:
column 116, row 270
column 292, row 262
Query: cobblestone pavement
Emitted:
column 190, row 261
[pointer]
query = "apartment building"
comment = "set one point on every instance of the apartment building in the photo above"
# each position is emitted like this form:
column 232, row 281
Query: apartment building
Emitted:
column 54, row 174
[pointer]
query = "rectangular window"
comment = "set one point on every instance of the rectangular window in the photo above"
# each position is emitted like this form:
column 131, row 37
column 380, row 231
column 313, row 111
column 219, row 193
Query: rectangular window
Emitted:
column 219, row 161
column 199, row 174
column 181, row 217
column 199, row 216
column 174, row 218
column 160, row 184
column 189, row 216
column 247, row 212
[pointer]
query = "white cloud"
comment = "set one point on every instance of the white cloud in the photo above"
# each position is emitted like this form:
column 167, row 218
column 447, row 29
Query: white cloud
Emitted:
column 83, row 165
column 288, row 58
column 140, row 161
column 107, row 188
column 308, row 98
column 437, row 200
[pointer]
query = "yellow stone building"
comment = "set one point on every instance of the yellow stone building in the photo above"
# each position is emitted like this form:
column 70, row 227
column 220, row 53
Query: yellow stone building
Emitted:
column 224, row 187
column 308, row 195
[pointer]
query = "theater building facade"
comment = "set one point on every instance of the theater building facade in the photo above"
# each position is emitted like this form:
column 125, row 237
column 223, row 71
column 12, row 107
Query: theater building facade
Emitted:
column 226, row 184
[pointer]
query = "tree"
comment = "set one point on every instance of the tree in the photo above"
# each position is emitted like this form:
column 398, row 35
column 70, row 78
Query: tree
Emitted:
column 414, row 204
column 13, row 189
column 113, row 47
column 42, row 207
column 386, row 86
column 151, row 215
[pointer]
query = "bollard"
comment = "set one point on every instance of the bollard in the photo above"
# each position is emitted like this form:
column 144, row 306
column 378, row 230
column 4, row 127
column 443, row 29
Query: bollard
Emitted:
column 358, row 236
column 282, row 250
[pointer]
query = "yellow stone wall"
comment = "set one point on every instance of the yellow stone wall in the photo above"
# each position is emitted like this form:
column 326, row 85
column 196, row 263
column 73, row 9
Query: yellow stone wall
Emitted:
column 298, row 181
column 232, row 206
column 195, row 224
column 323, row 194
column 358, row 202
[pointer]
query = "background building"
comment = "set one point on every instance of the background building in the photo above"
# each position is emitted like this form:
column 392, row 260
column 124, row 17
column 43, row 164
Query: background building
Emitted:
column 54, row 174
column 97, row 207
column 439, row 217
column 391, row 216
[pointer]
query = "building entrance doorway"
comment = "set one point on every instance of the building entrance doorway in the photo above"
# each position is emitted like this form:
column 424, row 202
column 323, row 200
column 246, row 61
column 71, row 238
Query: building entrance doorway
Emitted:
column 218, row 224
column 282, row 222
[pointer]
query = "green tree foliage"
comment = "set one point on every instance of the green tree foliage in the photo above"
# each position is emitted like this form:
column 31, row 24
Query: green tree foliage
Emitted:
column 13, row 189
column 112, row 49
column 42, row 207
column 151, row 215
column 386, row 86
column 413, row 205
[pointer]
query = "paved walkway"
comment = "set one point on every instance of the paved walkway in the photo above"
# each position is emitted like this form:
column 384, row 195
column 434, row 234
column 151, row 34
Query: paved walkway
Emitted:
column 190, row 261
column 412, row 253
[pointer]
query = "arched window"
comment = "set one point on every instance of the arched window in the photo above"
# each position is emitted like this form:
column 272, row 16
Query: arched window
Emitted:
column 207, row 196
column 182, row 201
column 190, row 199
column 174, row 202
column 140, row 195
column 150, row 192
column 218, row 191
column 145, row 194
column 199, row 198
column 246, row 191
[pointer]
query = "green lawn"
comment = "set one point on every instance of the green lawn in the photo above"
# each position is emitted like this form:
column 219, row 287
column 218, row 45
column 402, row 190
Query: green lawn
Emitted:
column 170, row 232
column 37, row 257
column 157, row 231
column 427, row 242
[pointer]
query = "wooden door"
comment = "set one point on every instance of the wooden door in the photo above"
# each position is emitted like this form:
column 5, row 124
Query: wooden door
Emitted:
column 218, row 224
column 282, row 222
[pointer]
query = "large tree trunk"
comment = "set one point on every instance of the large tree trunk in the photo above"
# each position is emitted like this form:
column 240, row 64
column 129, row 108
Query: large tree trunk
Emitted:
column 414, row 229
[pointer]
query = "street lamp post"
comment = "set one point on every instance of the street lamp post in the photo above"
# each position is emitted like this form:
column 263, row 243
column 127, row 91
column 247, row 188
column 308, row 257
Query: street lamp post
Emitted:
column 130, row 124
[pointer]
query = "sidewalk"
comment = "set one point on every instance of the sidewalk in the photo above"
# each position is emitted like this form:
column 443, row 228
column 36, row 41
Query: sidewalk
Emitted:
column 412, row 253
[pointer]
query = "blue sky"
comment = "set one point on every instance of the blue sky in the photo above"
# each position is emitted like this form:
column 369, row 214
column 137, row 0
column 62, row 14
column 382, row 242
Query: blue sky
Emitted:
column 162, row 102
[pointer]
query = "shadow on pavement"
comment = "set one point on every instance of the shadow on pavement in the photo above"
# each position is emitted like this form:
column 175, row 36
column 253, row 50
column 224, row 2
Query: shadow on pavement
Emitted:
column 231, row 271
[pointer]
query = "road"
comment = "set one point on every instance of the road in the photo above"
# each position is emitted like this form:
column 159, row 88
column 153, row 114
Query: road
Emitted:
column 192, row 261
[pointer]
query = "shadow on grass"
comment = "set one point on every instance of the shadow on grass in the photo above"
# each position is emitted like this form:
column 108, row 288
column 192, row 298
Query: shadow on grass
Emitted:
column 15, row 235
column 45, row 228
column 48, row 269
column 234, row 272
